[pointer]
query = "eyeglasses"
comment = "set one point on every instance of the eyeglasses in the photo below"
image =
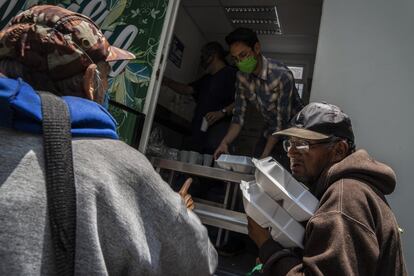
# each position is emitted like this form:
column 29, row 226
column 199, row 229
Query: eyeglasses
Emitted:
column 302, row 145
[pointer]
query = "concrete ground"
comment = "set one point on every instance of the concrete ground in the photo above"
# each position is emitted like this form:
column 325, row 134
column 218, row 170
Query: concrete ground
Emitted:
column 241, row 263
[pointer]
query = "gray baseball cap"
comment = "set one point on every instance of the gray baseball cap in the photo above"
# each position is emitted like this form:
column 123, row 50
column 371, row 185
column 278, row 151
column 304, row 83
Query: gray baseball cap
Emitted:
column 319, row 121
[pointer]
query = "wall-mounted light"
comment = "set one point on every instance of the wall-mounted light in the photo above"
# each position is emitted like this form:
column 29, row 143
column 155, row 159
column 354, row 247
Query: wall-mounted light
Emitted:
column 264, row 20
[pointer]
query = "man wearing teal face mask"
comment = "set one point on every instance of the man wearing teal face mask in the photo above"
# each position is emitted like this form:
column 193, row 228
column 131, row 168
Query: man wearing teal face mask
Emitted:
column 213, row 94
column 269, row 85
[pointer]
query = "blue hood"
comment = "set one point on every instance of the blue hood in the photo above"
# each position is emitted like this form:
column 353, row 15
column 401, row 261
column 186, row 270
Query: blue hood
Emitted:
column 20, row 109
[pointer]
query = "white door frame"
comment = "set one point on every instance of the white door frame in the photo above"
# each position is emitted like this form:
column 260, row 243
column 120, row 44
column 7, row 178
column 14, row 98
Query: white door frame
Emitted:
column 159, row 65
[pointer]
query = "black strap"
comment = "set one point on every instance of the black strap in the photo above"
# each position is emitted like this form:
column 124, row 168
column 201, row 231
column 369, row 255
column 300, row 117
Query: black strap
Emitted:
column 60, row 183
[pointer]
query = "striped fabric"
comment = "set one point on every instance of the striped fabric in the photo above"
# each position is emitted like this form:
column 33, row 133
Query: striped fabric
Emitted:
column 273, row 92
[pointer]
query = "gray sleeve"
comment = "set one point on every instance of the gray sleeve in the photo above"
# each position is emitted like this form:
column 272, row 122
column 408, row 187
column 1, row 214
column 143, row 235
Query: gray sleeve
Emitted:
column 143, row 226
column 186, row 249
column 128, row 220
column 189, row 250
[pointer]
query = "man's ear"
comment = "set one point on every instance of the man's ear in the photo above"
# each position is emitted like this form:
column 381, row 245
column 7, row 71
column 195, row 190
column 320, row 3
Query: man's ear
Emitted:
column 341, row 150
column 89, row 84
column 257, row 48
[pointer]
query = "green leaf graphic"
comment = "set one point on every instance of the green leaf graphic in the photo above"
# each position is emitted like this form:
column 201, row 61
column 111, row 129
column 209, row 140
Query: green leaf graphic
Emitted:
column 114, row 13
column 154, row 13
column 30, row 3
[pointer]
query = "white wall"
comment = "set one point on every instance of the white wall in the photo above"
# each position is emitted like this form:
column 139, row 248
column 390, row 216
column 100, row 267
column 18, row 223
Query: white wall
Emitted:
column 306, row 60
column 365, row 64
column 187, row 32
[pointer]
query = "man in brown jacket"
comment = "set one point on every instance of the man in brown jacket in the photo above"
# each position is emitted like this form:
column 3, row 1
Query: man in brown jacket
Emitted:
column 353, row 232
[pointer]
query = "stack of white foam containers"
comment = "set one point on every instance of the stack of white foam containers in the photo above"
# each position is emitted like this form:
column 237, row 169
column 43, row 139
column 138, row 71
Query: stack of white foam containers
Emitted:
column 276, row 200
column 237, row 163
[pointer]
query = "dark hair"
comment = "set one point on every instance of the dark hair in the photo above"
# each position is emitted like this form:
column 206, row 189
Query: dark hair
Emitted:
column 245, row 35
column 213, row 47
column 72, row 86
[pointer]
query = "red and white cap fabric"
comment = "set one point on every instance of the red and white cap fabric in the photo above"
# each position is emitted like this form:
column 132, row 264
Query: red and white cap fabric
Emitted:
column 53, row 40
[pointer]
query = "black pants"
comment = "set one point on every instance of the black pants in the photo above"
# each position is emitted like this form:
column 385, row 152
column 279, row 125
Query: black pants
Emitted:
column 208, row 142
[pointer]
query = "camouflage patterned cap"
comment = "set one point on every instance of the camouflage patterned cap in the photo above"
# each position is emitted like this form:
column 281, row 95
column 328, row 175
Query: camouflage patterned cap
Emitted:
column 56, row 41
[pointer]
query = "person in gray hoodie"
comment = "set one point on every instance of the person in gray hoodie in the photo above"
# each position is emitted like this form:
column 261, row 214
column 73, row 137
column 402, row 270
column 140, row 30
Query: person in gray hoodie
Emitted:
column 353, row 231
column 128, row 220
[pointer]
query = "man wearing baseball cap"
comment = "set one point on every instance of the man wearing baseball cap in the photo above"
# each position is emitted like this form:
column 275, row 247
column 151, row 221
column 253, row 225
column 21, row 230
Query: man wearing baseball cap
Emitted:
column 128, row 221
column 353, row 231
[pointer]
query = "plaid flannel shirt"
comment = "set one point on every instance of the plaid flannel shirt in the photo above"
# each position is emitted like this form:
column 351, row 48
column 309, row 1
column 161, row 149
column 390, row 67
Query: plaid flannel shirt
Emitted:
column 274, row 93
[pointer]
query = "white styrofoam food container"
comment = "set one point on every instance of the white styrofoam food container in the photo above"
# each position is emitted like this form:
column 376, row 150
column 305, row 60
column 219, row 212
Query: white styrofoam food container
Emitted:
column 279, row 184
column 268, row 213
column 237, row 163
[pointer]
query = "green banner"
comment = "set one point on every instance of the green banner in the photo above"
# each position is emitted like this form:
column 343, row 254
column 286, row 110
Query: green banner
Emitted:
column 130, row 24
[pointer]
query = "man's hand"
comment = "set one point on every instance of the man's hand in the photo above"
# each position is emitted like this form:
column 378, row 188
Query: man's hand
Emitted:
column 213, row 117
column 180, row 88
column 223, row 148
column 264, row 155
column 257, row 233
column 270, row 144
column 185, row 195
column 165, row 81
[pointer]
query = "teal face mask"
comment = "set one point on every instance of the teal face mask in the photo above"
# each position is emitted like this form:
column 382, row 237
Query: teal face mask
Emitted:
column 247, row 65
column 105, row 103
